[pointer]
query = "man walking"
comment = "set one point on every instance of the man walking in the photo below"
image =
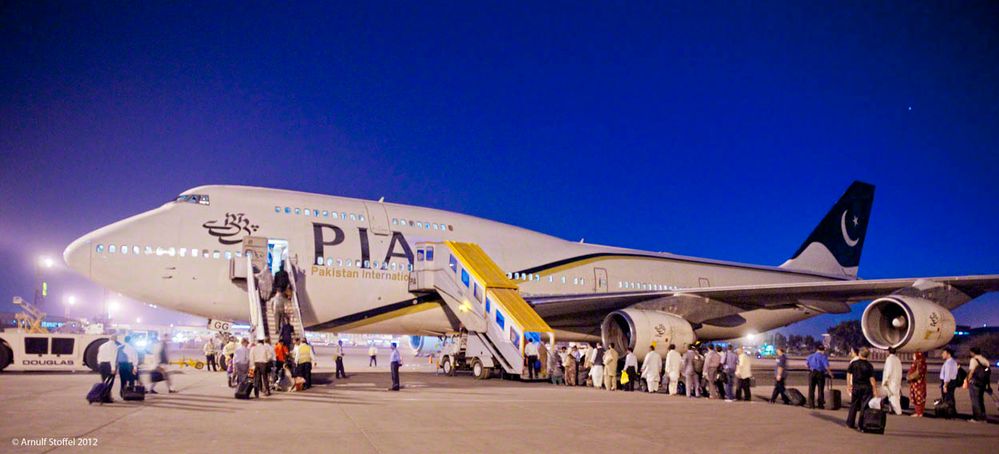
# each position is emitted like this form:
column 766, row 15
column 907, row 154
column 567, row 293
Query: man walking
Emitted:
column 531, row 351
column 395, row 361
column 241, row 361
column 861, row 386
column 673, row 365
column 978, row 382
column 340, row 373
column 610, row 368
column 891, row 380
column 107, row 356
column 712, row 361
column 690, row 371
column 652, row 367
column 744, row 373
column 372, row 356
column 259, row 356
column 631, row 368
column 779, row 377
column 729, row 363
column 948, row 383
column 818, row 368
column 127, row 359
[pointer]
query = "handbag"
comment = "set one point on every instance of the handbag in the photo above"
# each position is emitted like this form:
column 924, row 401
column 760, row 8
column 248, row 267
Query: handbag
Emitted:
column 624, row 378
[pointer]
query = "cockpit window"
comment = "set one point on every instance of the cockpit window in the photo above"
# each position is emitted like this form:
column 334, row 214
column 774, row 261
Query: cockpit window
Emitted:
column 200, row 199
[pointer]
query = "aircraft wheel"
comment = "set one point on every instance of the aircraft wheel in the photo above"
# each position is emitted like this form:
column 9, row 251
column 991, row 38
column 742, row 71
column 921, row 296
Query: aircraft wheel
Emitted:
column 5, row 356
column 448, row 366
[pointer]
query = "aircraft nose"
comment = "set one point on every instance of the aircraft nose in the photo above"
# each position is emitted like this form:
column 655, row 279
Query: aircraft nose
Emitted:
column 77, row 255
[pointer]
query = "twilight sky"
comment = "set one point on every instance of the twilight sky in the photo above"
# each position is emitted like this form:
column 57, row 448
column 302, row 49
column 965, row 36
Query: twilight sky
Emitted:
column 715, row 129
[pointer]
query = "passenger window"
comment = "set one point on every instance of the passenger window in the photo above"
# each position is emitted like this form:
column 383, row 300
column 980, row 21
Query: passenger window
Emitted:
column 228, row 255
column 204, row 253
column 319, row 261
column 287, row 210
column 360, row 218
column 409, row 267
column 419, row 225
column 367, row 264
column 339, row 262
column 343, row 215
column 135, row 250
column 333, row 215
column 393, row 266
column 277, row 209
column 435, row 227
column 453, row 263
column 374, row 264
column 183, row 252
column 36, row 345
column 395, row 221
column 100, row 248
column 307, row 212
column 62, row 346
column 500, row 320
column 112, row 249
column 216, row 254
column 353, row 217
column 326, row 214
column 464, row 277
column 329, row 261
column 298, row 211
column 315, row 212
column 419, row 255
column 124, row 249
column 430, row 253
column 563, row 279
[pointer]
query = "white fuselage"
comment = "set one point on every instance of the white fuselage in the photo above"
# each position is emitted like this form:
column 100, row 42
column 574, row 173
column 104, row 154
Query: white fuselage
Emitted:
column 351, row 238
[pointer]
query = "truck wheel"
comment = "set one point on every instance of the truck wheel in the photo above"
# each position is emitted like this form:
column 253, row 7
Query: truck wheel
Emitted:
column 90, row 354
column 447, row 366
column 479, row 371
column 5, row 356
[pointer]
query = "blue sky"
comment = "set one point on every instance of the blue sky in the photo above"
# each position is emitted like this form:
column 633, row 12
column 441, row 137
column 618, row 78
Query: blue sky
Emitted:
column 715, row 129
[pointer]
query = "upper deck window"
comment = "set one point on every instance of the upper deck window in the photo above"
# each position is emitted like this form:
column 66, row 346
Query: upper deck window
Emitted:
column 200, row 199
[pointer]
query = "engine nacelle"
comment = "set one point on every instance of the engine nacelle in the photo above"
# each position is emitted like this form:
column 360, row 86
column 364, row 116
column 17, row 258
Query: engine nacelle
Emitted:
column 638, row 329
column 907, row 323
column 425, row 345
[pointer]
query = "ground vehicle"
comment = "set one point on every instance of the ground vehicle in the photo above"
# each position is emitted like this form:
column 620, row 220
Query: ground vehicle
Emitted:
column 20, row 351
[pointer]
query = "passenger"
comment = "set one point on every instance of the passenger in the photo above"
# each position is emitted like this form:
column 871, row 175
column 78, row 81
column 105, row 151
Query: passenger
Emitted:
column 977, row 383
column 597, row 367
column 729, row 362
column 162, row 361
column 531, row 351
column 270, row 362
column 228, row 351
column 779, row 377
column 917, row 384
column 891, row 381
column 554, row 367
column 690, row 372
column 652, row 367
column 127, row 359
column 259, row 356
column 631, row 367
column 372, row 356
column 720, row 378
column 285, row 334
column 282, row 283
column 699, row 371
column 712, row 361
column 280, row 356
column 818, row 368
column 107, row 356
column 861, row 386
column 209, row 350
column 338, row 358
column 610, row 368
column 241, row 361
column 949, row 382
column 395, row 362
column 543, row 359
column 304, row 358
column 673, row 364
column 585, row 363
column 571, row 366
column 744, row 373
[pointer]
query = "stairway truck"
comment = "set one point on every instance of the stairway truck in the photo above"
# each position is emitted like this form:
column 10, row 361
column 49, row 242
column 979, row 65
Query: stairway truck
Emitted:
column 20, row 351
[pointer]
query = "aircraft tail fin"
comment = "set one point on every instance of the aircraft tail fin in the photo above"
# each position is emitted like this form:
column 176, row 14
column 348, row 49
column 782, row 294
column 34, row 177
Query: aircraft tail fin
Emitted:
column 834, row 246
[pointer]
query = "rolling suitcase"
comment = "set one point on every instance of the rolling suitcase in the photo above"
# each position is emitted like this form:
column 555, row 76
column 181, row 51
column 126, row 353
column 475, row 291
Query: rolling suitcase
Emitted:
column 681, row 389
column 943, row 409
column 244, row 389
column 904, row 400
column 872, row 420
column 101, row 392
column 797, row 399
column 834, row 398
column 134, row 393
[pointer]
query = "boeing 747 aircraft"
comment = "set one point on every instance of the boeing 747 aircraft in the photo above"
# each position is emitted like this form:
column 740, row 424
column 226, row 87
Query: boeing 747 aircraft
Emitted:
column 353, row 269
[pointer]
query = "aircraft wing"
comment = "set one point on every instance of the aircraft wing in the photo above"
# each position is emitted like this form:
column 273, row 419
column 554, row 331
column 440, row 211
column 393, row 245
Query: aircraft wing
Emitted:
column 713, row 303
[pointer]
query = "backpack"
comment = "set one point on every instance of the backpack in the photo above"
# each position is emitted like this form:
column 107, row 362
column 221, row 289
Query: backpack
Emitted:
column 698, row 364
column 982, row 374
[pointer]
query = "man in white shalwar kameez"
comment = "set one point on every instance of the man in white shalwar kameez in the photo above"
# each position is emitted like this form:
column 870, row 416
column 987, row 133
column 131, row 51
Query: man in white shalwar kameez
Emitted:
column 891, row 383
column 673, row 365
column 652, row 367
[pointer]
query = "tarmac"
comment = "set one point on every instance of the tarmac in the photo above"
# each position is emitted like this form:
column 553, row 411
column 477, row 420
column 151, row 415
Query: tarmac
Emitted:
column 435, row 413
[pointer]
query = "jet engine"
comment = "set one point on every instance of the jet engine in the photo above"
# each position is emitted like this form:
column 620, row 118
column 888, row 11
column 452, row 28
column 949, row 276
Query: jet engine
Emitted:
column 425, row 345
column 907, row 323
column 638, row 329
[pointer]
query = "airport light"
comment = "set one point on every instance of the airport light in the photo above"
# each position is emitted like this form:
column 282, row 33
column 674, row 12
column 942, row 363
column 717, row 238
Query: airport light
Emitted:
column 138, row 320
column 113, row 307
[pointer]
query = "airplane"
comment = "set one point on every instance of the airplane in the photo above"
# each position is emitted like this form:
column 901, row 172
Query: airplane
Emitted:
column 353, row 261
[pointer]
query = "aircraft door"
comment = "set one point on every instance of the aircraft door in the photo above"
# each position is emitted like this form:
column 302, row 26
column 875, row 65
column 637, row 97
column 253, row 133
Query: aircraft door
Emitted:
column 255, row 247
column 377, row 218
column 600, row 280
column 277, row 250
